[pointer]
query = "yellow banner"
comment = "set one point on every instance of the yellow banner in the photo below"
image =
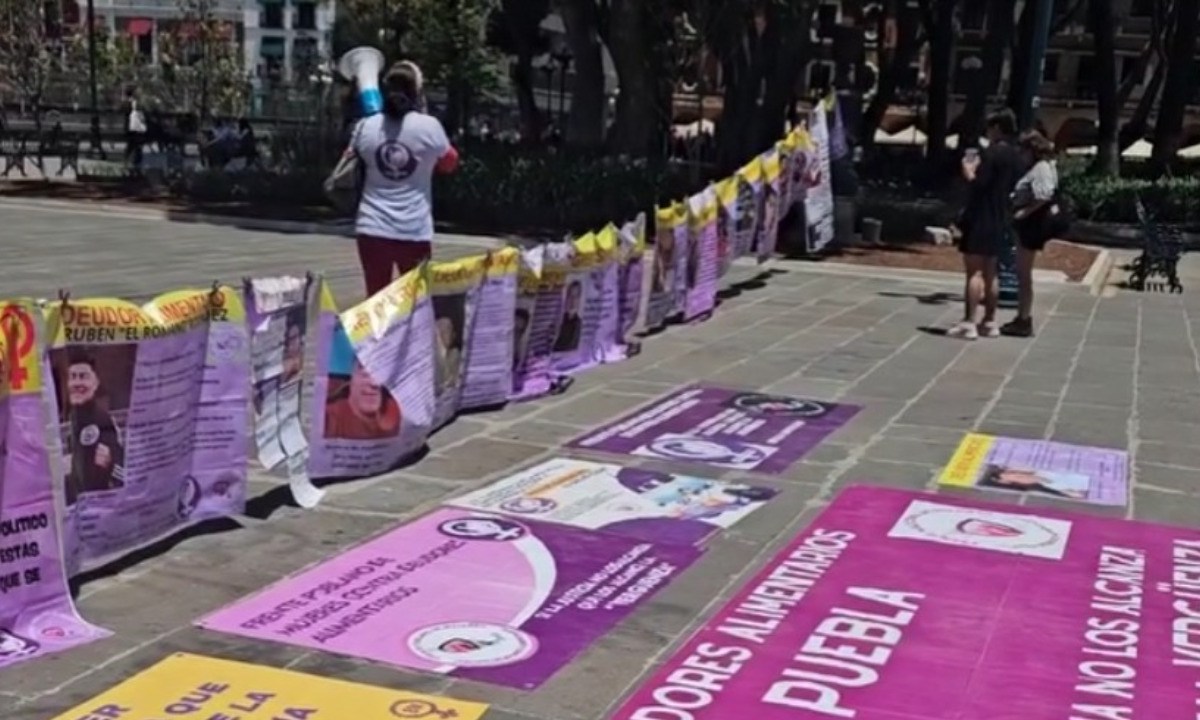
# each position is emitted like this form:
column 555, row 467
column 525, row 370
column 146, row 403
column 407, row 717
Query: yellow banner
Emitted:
column 20, row 354
column 112, row 320
column 457, row 276
column 373, row 316
column 702, row 208
column 194, row 686
column 967, row 462
column 504, row 262
column 770, row 165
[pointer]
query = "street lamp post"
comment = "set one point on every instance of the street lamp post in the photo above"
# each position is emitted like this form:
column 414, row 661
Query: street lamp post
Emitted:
column 97, row 144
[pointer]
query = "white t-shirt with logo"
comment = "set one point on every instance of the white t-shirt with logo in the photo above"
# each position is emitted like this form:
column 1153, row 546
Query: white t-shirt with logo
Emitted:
column 397, row 196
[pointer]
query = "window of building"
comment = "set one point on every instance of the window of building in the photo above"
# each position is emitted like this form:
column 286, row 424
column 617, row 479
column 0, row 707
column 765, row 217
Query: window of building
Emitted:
column 827, row 20
column 272, row 14
column 973, row 15
column 1142, row 8
column 306, row 16
column 967, row 71
column 1050, row 68
column 305, row 57
column 1126, row 67
column 272, row 53
column 1085, row 76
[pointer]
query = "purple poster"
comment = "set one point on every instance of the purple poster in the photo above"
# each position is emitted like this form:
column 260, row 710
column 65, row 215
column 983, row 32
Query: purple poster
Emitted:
column 458, row 592
column 537, row 319
column 587, row 330
column 37, row 616
column 749, row 207
column 490, row 358
column 632, row 257
column 896, row 605
column 154, row 409
column 725, row 428
column 727, row 222
column 768, row 228
column 666, row 288
column 456, row 289
column 702, row 260
column 374, row 395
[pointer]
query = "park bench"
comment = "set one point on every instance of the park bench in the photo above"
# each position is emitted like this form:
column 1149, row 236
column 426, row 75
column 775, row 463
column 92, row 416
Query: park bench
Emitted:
column 1162, row 248
column 14, row 146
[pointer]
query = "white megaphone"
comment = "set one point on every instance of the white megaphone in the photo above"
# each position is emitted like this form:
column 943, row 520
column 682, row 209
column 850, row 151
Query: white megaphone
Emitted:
column 361, row 66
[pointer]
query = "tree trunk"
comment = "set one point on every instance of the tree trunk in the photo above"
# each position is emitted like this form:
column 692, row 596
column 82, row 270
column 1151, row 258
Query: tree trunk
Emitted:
column 1108, row 103
column 1000, row 26
column 1018, row 69
column 522, row 80
column 585, row 126
column 631, row 43
column 941, row 62
column 1180, row 82
column 891, row 67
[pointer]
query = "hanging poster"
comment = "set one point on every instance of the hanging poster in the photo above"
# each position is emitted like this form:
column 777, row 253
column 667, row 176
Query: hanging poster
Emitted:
column 703, row 251
column 457, row 592
column 802, row 167
column 749, row 207
column 490, row 357
column 768, row 228
column 278, row 314
column 839, row 144
column 587, row 331
column 374, row 394
column 818, row 197
column 537, row 319
column 727, row 218
column 456, row 290
column 666, row 285
column 629, row 501
column 185, row 685
column 37, row 615
column 154, row 409
column 724, row 428
column 1073, row 472
column 631, row 249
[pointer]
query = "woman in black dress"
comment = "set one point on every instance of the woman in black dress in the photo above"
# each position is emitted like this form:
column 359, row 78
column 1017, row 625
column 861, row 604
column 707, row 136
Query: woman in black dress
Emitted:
column 986, row 224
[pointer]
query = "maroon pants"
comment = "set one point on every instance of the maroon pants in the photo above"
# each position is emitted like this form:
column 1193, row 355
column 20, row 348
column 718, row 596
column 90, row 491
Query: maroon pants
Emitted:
column 380, row 256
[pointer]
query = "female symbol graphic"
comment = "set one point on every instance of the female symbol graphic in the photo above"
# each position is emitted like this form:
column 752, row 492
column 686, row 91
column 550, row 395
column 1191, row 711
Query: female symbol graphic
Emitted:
column 415, row 709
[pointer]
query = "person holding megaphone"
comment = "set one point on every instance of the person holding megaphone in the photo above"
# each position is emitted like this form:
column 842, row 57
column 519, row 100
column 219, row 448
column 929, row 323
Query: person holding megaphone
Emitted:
column 395, row 151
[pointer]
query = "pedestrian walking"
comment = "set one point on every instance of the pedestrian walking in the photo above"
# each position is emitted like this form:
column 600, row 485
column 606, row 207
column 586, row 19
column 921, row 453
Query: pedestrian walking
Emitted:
column 135, row 133
column 1036, row 219
column 985, row 224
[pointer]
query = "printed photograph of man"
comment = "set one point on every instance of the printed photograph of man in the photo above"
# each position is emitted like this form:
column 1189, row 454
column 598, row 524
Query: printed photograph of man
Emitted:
column 571, row 329
column 520, row 336
column 93, row 392
column 357, row 407
column 770, row 210
column 449, row 313
column 663, row 280
column 747, row 210
column 293, row 345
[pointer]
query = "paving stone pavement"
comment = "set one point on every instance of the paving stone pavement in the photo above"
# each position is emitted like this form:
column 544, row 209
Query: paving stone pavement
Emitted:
column 1121, row 371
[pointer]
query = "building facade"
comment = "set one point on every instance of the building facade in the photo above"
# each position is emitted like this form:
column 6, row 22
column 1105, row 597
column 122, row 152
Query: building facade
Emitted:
column 281, row 41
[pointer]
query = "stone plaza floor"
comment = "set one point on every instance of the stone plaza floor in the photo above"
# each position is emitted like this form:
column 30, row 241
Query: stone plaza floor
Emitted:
column 1120, row 371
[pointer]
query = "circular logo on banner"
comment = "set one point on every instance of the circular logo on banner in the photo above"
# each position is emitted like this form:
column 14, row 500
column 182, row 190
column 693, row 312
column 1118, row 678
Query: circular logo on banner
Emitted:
column 528, row 505
column 760, row 404
column 483, row 528
column 189, row 497
column 395, row 161
column 704, row 450
column 468, row 644
column 416, row 709
column 963, row 526
column 89, row 435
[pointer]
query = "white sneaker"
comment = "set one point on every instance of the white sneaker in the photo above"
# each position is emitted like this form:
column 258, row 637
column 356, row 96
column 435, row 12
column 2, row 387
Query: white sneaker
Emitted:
column 989, row 330
column 964, row 330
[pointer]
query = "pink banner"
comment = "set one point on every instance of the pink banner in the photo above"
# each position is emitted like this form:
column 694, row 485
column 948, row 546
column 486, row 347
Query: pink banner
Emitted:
column 896, row 605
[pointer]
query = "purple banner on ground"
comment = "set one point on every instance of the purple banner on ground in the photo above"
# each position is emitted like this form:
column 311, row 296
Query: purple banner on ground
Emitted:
column 37, row 616
column 458, row 592
column 490, row 356
column 633, row 502
column 1075, row 472
column 631, row 238
column 374, row 394
column 537, row 319
column 702, row 261
column 587, row 329
column 456, row 288
column 895, row 605
column 279, row 314
column 154, row 408
column 667, row 282
column 724, row 428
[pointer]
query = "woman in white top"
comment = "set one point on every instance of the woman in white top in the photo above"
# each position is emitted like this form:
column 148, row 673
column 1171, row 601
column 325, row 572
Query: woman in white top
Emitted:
column 1034, row 201
column 399, row 151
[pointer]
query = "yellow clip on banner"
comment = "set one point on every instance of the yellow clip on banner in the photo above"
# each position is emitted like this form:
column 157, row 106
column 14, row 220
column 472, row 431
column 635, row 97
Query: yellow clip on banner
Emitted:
column 186, row 685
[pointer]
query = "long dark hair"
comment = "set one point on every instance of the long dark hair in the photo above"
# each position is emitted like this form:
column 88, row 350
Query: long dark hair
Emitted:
column 401, row 87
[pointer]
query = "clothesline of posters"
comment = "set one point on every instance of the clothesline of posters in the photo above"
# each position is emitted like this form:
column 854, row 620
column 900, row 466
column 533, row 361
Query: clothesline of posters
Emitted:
column 152, row 403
